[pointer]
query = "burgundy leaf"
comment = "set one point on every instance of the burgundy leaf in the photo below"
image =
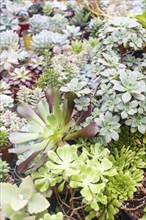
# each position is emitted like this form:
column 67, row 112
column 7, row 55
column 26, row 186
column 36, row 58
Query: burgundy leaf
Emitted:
column 84, row 115
column 25, row 164
column 89, row 131
column 49, row 97
column 40, row 163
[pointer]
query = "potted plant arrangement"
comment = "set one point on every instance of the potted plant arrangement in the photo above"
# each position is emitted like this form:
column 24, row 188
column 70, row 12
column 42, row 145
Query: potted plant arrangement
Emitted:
column 73, row 105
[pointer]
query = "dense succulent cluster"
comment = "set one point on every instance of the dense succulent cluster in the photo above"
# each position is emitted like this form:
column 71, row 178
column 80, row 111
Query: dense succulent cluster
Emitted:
column 73, row 104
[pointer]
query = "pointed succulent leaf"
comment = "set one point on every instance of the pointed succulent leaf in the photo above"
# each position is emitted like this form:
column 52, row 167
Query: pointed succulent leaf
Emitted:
column 22, row 137
column 26, row 111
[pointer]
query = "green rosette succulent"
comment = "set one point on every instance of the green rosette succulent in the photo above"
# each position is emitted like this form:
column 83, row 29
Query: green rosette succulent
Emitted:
column 51, row 126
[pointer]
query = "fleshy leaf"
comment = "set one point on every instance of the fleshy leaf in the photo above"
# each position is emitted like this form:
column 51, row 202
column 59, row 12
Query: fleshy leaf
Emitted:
column 22, row 137
column 37, row 204
column 26, row 111
column 8, row 192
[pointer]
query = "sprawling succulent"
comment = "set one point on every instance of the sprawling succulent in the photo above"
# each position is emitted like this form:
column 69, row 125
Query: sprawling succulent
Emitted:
column 50, row 126
column 9, row 40
column 38, row 23
column 23, row 201
column 6, row 102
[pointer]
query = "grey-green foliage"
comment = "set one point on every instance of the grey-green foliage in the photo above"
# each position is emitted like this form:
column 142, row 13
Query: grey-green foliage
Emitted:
column 4, row 169
column 57, row 23
column 41, row 41
column 9, row 40
column 38, row 23
column 122, row 30
column 8, row 22
column 7, row 102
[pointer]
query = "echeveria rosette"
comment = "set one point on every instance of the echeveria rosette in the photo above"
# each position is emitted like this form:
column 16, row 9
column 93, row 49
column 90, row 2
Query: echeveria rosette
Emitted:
column 109, row 126
column 130, row 86
column 110, row 102
column 16, row 201
column 49, row 127
column 127, row 109
column 82, row 103
column 137, row 122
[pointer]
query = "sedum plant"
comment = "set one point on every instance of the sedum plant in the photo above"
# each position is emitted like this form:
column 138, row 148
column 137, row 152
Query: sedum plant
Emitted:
column 47, row 216
column 94, row 177
column 23, row 201
column 4, row 88
column 4, row 139
column 50, row 127
column 4, row 169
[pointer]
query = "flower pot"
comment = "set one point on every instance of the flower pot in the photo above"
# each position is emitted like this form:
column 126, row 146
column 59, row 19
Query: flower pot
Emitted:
column 27, row 40
column 8, row 157
column 126, row 216
column 23, row 27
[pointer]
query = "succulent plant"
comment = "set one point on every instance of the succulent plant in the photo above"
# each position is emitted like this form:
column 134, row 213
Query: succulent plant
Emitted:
column 82, row 103
column 8, row 23
column 78, row 88
column 11, row 121
column 9, row 40
column 81, row 18
column 6, row 102
column 109, row 125
column 72, row 32
column 22, row 198
column 38, row 23
column 47, row 216
column 48, row 8
column 10, row 58
column 4, row 169
column 123, row 30
column 4, row 88
column 21, row 76
column 4, row 139
column 57, row 23
column 51, row 128
column 41, row 41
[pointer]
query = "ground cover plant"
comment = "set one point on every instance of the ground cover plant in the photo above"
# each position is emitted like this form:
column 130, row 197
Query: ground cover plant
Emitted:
column 73, row 105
